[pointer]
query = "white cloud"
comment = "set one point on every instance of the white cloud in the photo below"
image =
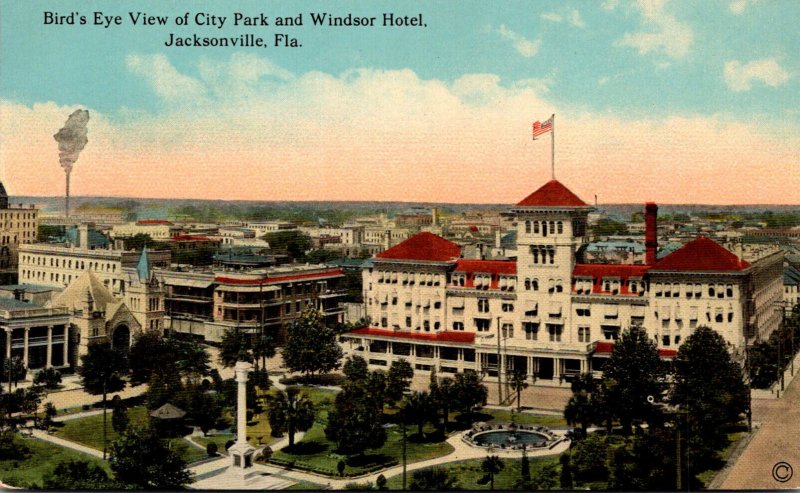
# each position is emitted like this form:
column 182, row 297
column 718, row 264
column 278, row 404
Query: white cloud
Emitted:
column 610, row 4
column 368, row 134
column 573, row 17
column 551, row 16
column 524, row 46
column 163, row 78
column 738, row 7
column 739, row 77
column 667, row 34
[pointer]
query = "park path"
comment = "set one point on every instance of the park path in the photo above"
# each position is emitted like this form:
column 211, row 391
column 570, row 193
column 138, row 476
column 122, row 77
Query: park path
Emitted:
column 776, row 441
column 42, row 435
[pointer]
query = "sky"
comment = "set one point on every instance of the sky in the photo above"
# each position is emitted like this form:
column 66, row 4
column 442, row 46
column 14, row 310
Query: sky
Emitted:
column 655, row 100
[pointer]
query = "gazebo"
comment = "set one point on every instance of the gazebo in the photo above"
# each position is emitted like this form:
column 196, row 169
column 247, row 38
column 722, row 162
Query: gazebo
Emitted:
column 169, row 417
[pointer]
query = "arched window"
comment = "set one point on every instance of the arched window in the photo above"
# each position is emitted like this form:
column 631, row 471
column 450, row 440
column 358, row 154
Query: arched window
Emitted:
column 560, row 227
column 535, row 284
column 544, row 228
column 527, row 226
column 536, row 227
column 527, row 284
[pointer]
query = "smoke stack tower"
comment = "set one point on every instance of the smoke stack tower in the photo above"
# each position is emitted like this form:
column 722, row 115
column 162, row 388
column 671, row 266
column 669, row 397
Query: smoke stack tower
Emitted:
column 71, row 141
column 650, row 232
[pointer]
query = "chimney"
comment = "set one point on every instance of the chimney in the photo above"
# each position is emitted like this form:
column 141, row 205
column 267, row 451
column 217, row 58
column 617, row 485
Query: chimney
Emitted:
column 497, row 238
column 82, row 238
column 650, row 232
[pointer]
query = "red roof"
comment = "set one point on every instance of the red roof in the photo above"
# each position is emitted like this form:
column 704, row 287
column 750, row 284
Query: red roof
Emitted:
column 600, row 271
column 604, row 347
column 191, row 238
column 445, row 336
column 492, row 267
column 701, row 255
column 552, row 194
column 423, row 246
column 145, row 222
column 270, row 280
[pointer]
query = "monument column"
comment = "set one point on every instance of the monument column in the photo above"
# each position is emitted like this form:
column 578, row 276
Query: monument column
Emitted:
column 241, row 452
column 8, row 343
column 65, row 362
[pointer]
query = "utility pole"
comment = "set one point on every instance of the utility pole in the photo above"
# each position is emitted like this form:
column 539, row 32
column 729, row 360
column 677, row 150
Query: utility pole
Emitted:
column 403, row 421
column 499, row 380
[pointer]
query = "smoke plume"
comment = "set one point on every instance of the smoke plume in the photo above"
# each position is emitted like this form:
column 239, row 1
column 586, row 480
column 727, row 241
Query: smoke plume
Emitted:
column 72, row 138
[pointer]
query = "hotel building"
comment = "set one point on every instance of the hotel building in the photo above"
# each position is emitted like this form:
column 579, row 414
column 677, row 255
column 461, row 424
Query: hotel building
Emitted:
column 547, row 313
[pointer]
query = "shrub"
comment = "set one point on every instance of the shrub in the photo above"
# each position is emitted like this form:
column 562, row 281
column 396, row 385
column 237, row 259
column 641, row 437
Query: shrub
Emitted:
column 229, row 444
column 49, row 377
column 211, row 449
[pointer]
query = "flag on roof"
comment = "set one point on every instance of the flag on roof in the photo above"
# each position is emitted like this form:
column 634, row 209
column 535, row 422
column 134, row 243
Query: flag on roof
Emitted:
column 542, row 128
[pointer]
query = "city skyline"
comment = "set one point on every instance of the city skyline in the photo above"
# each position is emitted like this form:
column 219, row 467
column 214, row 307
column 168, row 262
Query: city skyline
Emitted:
column 663, row 101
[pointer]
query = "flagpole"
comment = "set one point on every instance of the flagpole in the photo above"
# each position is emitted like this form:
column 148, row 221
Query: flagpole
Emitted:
column 553, row 146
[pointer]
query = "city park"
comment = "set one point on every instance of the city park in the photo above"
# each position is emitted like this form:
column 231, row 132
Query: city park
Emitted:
column 313, row 420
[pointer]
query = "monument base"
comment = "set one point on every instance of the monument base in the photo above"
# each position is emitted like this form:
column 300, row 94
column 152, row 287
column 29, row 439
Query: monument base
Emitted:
column 241, row 457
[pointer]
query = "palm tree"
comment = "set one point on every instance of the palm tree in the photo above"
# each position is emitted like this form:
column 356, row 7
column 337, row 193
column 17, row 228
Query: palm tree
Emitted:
column 417, row 408
column 492, row 465
column 290, row 412
column 519, row 382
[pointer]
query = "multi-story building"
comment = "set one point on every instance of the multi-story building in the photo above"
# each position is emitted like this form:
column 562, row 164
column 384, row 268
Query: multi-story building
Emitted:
column 791, row 286
column 263, row 227
column 157, row 229
column 547, row 313
column 32, row 331
column 207, row 303
column 58, row 264
column 18, row 226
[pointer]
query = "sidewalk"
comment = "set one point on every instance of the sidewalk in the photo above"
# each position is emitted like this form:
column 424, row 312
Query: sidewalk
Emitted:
column 42, row 435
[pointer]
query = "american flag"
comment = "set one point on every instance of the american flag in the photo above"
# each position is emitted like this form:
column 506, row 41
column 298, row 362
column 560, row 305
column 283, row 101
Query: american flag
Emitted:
column 542, row 128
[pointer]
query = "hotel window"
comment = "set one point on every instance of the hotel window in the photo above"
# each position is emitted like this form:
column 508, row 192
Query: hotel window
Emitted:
column 555, row 332
column 729, row 291
column 458, row 325
column 408, row 322
column 583, row 334
column 483, row 305
column 665, row 324
column 665, row 340
column 426, row 325
column 384, row 322
column 508, row 330
column 559, row 286
column 583, row 312
column 544, row 228
column 531, row 330
column 610, row 333
column 527, row 284
column 536, row 227
column 535, row 284
column 677, row 340
column 535, row 253
column 711, row 291
column 394, row 299
column 482, row 324
column 508, row 307
column 527, row 226
column 698, row 291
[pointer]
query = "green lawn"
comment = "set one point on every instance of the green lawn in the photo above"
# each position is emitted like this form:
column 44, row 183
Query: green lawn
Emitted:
column 733, row 440
column 220, row 440
column 469, row 472
column 41, row 460
column 317, row 452
column 526, row 418
column 89, row 430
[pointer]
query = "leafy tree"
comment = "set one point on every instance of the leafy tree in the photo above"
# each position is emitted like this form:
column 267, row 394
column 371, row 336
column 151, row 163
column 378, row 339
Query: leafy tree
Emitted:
column 165, row 388
column 546, row 478
column 50, row 413
column 433, row 479
column 78, row 475
column 355, row 370
column 101, row 373
column 468, row 393
column 566, row 472
column 290, row 412
column 263, row 348
column 140, row 459
column 398, row 380
column 356, row 422
column 293, row 242
column 205, row 409
column 492, row 465
column 633, row 373
column 380, row 482
column 192, row 360
column 710, row 387
column 16, row 367
column 519, row 382
column 50, row 378
column 234, row 346
column 609, row 227
column 119, row 416
column 589, row 458
column 311, row 347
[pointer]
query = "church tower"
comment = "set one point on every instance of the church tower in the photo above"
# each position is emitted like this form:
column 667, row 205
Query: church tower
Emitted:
column 145, row 296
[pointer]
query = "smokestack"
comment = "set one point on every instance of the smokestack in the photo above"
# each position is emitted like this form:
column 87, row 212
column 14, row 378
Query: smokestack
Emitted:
column 650, row 232
column 71, row 141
